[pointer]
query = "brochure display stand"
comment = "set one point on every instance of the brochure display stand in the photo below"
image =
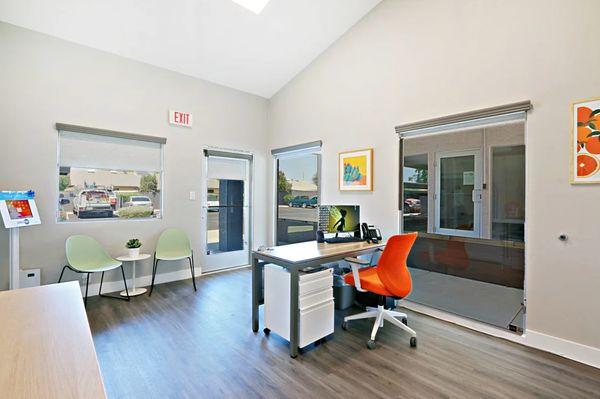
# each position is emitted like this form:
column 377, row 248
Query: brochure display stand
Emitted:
column 18, row 210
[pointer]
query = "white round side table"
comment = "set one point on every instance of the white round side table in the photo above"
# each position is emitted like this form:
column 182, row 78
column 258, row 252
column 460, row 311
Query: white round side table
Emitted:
column 126, row 258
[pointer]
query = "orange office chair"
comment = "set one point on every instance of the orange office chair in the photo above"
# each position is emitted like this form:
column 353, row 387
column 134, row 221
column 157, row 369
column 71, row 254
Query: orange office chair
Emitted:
column 390, row 278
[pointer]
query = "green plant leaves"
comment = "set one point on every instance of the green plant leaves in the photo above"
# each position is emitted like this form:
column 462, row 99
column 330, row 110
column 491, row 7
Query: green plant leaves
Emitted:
column 594, row 133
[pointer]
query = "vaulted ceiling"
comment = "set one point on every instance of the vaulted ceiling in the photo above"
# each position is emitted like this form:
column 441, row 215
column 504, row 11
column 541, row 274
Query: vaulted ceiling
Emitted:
column 217, row 40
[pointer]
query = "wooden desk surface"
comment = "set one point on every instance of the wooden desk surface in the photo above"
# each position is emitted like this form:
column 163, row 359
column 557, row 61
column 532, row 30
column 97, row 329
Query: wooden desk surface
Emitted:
column 311, row 251
column 46, row 347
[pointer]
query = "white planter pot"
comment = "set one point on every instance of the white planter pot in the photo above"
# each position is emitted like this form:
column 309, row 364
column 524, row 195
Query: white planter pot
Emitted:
column 134, row 252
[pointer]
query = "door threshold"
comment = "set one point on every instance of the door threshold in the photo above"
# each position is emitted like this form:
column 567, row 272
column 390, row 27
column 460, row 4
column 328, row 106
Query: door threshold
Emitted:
column 226, row 269
column 464, row 322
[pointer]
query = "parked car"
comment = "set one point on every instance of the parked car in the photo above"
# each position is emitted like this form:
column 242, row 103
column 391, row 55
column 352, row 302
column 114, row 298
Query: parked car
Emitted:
column 412, row 205
column 313, row 202
column 92, row 203
column 139, row 200
column 299, row 201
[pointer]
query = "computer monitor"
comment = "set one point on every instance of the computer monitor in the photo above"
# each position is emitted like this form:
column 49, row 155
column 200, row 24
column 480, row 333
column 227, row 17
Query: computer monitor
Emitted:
column 339, row 218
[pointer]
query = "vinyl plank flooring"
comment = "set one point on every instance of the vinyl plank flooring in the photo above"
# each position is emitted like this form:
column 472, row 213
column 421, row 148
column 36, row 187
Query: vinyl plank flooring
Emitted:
column 185, row 344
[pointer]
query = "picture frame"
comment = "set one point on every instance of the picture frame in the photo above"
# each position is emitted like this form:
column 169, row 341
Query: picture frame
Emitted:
column 585, row 142
column 355, row 170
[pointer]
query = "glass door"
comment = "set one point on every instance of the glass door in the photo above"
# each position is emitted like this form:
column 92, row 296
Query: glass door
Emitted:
column 464, row 192
column 226, row 212
column 458, row 198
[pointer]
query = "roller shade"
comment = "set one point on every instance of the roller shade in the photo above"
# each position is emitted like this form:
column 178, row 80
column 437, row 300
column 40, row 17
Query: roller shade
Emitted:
column 467, row 120
column 226, row 154
column 227, row 168
column 298, row 149
column 103, row 151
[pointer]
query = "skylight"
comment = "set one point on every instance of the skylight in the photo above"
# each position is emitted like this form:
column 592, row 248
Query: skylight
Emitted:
column 256, row 6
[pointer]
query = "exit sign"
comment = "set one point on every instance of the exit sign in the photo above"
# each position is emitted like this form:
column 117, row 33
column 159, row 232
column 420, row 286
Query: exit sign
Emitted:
column 180, row 118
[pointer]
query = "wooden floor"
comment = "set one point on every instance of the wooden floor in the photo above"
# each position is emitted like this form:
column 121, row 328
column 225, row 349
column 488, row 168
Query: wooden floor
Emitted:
column 181, row 344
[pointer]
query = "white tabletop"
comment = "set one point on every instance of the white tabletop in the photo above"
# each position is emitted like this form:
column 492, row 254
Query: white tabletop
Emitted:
column 127, row 258
column 37, row 360
column 311, row 250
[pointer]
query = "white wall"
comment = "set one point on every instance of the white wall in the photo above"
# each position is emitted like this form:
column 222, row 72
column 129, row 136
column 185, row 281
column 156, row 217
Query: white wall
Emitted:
column 410, row 60
column 44, row 80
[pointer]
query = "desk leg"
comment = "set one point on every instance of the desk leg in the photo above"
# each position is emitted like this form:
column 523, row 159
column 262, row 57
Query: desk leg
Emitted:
column 294, row 313
column 256, row 275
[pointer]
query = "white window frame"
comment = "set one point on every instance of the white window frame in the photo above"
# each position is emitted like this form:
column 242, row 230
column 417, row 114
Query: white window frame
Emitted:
column 477, row 191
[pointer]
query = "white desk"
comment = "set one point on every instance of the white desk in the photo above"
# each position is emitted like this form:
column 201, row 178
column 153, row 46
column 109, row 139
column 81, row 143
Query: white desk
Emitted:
column 294, row 257
column 46, row 347
column 126, row 258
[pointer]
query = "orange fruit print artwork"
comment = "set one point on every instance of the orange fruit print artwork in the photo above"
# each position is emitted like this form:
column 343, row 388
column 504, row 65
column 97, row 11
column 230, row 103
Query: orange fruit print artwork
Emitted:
column 588, row 140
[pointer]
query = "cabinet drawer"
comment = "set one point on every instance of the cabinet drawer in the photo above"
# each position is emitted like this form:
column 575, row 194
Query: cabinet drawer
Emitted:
column 316, row 298
column 316, row 322
column 304, row 277
column 311, row 286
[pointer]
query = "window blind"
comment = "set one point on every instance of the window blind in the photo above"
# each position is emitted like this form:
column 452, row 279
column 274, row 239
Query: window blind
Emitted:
column 104, row 151
column 467, row 120
column 299, row 149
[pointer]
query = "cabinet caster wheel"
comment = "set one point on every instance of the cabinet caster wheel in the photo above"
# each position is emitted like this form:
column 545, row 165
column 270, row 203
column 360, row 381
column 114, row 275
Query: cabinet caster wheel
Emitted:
column 344, row 325
column 413, row 342
column 404, row 321
column 371, row 344
column 267, row 331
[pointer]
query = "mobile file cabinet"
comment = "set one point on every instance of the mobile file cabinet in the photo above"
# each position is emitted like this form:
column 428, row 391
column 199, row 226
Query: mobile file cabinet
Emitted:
column 315, row 300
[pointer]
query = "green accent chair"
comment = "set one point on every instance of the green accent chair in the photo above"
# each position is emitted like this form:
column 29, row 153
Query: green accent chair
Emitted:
column 86, row 255
column 173, row 244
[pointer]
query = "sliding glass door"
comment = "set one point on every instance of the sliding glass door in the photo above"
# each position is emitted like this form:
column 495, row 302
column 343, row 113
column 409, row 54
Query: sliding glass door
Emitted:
column 464, row 192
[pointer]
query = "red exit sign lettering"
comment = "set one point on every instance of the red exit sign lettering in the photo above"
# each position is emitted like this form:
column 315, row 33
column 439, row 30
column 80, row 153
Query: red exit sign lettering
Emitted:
column 180, row 118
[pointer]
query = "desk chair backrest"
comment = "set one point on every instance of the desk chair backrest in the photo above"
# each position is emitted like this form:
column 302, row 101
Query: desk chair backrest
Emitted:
column 85, row 253
column 392, row 269
column 173, row 244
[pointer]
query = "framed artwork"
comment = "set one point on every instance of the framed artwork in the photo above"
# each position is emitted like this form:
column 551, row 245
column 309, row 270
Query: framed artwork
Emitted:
column 585, row 142
column 356, row 170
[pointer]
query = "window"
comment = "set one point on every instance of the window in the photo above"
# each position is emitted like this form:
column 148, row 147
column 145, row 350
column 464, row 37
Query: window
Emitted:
column 297, row 193
column 415, row 192
column 508, row 193
column 108, row 175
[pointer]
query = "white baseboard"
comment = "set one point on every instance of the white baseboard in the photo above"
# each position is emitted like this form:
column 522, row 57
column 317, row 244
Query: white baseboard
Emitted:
column 143, row 281
column 140, row 281
column 547, row 343
column 563, row 347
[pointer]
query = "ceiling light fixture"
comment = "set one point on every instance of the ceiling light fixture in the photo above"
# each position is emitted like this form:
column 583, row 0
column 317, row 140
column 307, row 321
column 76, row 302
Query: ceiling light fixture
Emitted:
column 256, row 6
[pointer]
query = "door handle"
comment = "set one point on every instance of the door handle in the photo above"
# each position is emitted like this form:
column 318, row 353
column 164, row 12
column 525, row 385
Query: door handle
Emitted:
column 476, row 195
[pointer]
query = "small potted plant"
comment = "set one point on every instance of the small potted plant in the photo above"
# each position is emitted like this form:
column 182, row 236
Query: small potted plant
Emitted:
column 133, row 246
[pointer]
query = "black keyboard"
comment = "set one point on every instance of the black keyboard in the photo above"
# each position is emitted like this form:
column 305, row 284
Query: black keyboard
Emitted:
column 339, row 240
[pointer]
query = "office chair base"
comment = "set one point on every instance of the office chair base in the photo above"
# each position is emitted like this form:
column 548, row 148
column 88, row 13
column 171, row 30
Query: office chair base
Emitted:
column 380, row 314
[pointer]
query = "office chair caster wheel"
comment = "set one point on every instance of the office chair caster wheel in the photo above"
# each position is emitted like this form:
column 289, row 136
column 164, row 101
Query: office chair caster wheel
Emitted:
column 371, row 344
column 344, row 325
column 404, row 321
column 413, row 342
column 267, row 331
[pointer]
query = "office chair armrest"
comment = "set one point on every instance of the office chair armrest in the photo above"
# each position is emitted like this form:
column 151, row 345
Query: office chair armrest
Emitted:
column 354, row 263
column 358, row 261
